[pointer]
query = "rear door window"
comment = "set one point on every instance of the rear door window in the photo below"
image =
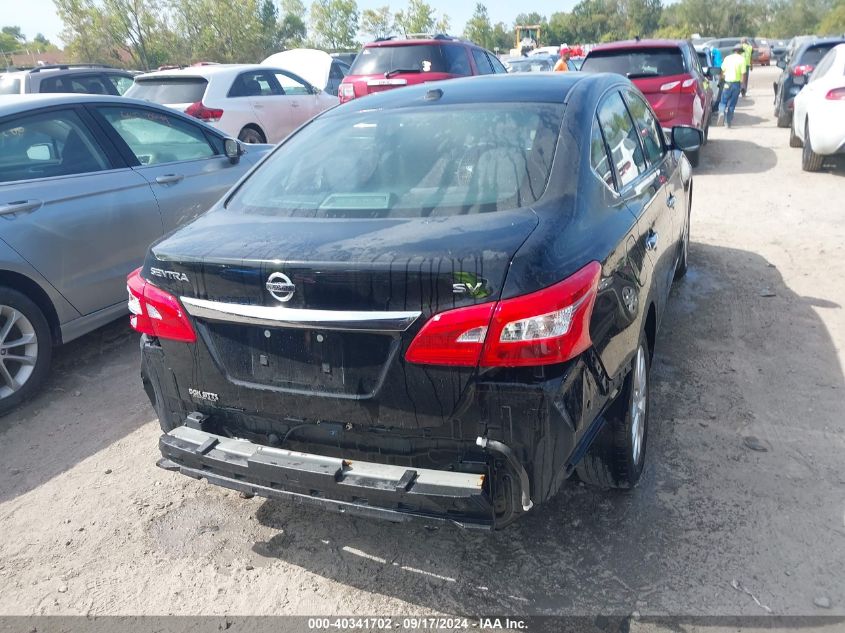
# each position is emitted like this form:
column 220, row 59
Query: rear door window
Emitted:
column 637, row 62
column 47, row 145
column 814, row 54
column 598, row 156
column 498, row 67
column 482, row 62
column 10, row 85
column 255, row 83
column 121, row 83
column 419, row 58
column 168, row 89
column 621, row 136
column 648, row 128
column 457, row 62
column 80, row 84
column 155, row 138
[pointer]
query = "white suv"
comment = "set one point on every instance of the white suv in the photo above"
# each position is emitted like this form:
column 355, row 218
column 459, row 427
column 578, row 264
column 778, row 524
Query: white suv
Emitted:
column 254, row 103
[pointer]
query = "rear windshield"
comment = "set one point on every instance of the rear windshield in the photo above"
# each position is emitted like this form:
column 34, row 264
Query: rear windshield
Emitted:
column 435, row 161
column 636, row 62
column 814, row 54
column 10, row 86
column 168, row 89
column 421, row 58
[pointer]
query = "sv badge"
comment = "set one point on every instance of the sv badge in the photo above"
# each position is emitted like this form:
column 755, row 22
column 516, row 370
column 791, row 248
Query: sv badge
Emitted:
column 470, row 284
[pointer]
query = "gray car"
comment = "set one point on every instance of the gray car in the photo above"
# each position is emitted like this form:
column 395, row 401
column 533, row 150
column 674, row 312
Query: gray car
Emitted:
column 87, row 182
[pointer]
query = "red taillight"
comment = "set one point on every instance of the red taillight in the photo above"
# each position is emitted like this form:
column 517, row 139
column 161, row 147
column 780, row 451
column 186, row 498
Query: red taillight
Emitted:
column 803, row 69
column 156, row 312
column 199, row 111
column 837, row 94
column 454, row 337
column 346, row 92
column 542, row 328
column 669, row 87
column 683, row 86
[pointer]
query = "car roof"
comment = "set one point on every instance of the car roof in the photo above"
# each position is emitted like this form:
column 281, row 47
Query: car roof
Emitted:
column 432, row 41
column 41, row 71
column 16, row 104
column 498, row 88
column 203, row 72
column 626, row 44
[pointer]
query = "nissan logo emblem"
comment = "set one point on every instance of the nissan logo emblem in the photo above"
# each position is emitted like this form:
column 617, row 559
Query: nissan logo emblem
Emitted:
column 280, row 286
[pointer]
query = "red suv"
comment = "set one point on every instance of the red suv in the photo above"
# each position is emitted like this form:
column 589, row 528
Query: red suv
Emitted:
column 392, row 63
column 667, row 72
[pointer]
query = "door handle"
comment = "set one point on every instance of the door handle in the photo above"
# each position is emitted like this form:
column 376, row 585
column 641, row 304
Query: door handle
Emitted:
column 169, row 179
column 294, row 104
column 670, row 201
column 651, row 241
column 258, row 105
column 20, row 206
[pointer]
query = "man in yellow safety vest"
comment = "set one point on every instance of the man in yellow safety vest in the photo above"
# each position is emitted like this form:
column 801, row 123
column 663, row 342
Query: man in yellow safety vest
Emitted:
column 733, row 70
column 747, row 53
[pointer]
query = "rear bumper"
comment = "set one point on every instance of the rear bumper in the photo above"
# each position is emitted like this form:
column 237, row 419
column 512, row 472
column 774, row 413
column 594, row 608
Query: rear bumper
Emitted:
column 355, row 487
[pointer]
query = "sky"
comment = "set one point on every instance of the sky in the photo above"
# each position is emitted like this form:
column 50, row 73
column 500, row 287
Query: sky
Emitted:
column 39, row 16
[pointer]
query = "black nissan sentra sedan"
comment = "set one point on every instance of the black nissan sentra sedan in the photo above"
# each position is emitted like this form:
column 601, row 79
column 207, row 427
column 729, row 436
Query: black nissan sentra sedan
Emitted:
column 437, row 302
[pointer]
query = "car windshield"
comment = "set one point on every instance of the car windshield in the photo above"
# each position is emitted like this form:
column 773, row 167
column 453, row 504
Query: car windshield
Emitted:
column 10, row 85
column 636, row 62
column 813, row 55
column 435, row 161
column 531, row 65
column 377, row 60
column 168, row 89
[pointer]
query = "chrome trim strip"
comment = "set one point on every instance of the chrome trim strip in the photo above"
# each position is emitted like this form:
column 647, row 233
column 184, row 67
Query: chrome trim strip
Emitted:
column 280, row 316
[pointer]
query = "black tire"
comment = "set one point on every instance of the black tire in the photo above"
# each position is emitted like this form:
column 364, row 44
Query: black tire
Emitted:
column 784, row 119
column 794, row 140
column 251, row 135
column 810, row 161
column 694, row 157
column 683, row 258
column 26, row 377
column 610, row 462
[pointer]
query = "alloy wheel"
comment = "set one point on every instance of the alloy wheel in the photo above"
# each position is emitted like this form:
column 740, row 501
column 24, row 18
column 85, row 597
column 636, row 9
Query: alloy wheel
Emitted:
column 18, row 350
column 639, row 399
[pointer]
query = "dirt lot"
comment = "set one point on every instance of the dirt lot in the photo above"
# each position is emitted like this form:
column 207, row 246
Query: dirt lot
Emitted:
column 752, row 347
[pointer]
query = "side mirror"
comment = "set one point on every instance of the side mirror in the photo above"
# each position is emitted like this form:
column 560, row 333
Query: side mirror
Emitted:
column 234, row 150
column 687, row 138
column 781, row 63
column 715, row 72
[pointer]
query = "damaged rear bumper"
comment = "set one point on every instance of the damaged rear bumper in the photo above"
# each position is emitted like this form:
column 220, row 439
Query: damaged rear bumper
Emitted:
column 395, row 493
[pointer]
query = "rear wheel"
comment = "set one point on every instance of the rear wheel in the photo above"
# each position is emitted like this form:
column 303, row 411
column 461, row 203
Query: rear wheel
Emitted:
column 784, row 118
column 25, row 348
column 810, row 161
column 251, row 135
column 794, row 139
column 617, row 455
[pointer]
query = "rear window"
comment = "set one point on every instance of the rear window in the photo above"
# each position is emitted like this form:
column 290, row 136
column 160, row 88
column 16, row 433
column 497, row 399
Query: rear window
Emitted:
column 427, row 162
column 636, row 62
column 10, row 85
column 169, row 89
column 813, row 55
column 420, row 58
column 531, row 66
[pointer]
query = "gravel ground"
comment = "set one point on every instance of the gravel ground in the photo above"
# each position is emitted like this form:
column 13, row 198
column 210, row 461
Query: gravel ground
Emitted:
column 740, row 510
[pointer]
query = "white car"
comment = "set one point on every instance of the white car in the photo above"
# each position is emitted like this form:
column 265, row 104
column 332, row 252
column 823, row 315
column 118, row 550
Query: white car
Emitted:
column 317, row 67
column 818, row 123
column 253, row 103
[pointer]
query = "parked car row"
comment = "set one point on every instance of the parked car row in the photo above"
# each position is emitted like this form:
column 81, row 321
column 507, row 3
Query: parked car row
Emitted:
column 818, row 121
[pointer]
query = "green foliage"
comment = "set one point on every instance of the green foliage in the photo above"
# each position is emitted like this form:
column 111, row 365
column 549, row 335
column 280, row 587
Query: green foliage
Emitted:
column 834, row 22
column 378, row 22
column 478, row 28
column 418, row 17
column 334, row 23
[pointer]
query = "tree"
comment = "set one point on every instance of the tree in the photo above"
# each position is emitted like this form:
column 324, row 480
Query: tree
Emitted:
column 643, row 16
column 478, row 29
column 418, row 17
column 271, row 34
column 378, row 22
column 295, row 8
column 335, row 23
column 293, row 31
column 15, row 33
column 443, row 24
column 501, row 37
column 834, row 22
column 560, row 29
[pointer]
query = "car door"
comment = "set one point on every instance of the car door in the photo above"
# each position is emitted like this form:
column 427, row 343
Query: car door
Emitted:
column 641, row 187
column 815, row 89
column 259, row 89
column 302, row 99
column 183, row 163
column 72, row 207
column 663, row 164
